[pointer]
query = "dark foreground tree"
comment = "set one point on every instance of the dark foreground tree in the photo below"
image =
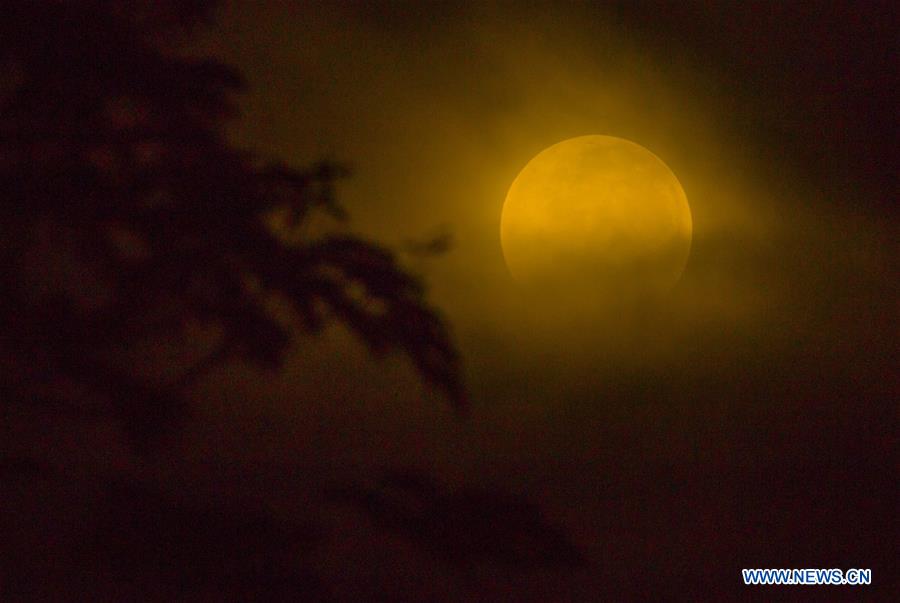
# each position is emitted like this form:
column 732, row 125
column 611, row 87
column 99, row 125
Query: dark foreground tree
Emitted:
column 128, row 217
column 127, row 220
column 465, row 526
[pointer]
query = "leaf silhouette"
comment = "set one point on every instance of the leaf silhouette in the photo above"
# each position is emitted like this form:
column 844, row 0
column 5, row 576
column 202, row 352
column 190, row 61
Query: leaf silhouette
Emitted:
column 465, row 525
column 153, row 222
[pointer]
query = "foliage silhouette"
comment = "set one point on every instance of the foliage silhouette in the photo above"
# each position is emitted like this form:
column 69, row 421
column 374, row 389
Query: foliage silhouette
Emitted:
column 431, row 246
column 113, row 162
column 127, row 218
column 465, row 525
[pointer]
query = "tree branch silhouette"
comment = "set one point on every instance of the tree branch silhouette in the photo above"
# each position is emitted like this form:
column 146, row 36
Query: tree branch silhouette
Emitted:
column 113, row 159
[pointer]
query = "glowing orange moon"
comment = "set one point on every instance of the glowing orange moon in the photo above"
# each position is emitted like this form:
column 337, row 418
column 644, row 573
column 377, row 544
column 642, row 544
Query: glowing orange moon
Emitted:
column 596, row 214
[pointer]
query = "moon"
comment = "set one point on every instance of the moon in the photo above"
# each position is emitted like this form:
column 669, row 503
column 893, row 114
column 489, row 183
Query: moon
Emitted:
column 599, row 217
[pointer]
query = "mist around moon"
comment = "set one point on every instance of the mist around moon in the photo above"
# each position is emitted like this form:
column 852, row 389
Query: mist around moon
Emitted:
column 600, row 218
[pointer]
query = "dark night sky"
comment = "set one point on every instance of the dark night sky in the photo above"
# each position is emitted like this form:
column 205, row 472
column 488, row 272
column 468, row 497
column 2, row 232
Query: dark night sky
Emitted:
column 747, row 420
column 753, row 408
column 773, row 118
